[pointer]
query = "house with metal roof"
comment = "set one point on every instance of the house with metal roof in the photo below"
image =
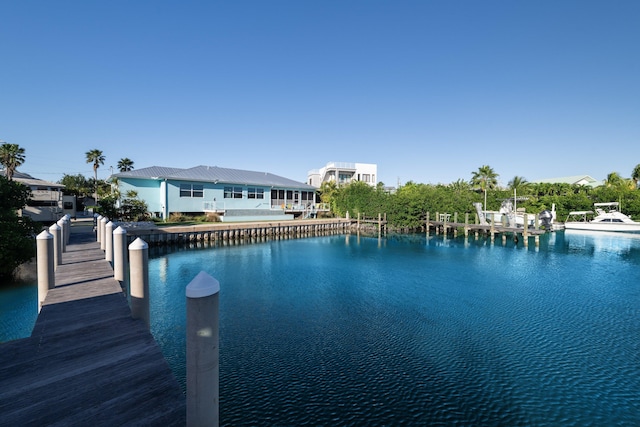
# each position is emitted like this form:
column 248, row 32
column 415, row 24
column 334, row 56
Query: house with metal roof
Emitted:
column 574, row 180
column 233, row 194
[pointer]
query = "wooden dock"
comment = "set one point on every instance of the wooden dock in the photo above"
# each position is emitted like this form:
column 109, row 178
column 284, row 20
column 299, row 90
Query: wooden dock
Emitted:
column 442, row 224
column 87, row 361
column 219, row 232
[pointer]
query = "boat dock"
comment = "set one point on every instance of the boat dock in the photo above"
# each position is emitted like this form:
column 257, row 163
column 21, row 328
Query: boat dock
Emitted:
column 446, row 223
column 87, row 361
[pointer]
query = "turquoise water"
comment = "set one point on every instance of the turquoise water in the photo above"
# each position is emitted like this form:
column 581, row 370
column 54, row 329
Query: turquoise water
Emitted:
column 18, row 311
column 346, row 331
column 349, row 331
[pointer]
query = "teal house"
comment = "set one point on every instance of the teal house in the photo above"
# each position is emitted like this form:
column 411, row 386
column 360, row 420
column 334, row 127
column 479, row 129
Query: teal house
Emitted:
column 233, row 194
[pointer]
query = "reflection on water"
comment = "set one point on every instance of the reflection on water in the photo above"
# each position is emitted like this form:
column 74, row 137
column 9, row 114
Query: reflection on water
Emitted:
column 602, row 241
column 408, row 329
column 417, row 330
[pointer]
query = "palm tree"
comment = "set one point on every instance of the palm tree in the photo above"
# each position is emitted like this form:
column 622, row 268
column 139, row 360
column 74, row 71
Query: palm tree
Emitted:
column 11, row 156
column 635, row 175
column 619, row 184
column 613, row 179
column 125, row 164
column 518, row 183
column 459, row 186
column 486, row 178
column 328, row 192
column 97, row 158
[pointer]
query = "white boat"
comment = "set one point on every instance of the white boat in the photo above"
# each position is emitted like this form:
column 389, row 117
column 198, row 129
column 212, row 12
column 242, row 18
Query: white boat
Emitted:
column 606, row 217
column 507, row 216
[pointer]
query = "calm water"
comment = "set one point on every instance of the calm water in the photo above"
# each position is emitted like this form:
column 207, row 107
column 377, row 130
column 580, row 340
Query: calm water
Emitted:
column 344, row 331
column 347, row 331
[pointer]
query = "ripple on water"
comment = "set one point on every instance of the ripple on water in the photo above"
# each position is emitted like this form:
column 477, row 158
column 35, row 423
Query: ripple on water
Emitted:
column 408, row 334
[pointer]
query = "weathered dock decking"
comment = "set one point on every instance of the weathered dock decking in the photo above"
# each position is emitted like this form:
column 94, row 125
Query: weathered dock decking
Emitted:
column 87, row 361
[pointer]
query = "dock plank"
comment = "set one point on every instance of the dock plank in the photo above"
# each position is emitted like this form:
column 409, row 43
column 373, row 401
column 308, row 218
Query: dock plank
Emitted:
column 87, row 360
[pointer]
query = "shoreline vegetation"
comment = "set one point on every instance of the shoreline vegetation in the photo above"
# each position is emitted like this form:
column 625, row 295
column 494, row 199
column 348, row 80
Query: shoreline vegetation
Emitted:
column 405, row 208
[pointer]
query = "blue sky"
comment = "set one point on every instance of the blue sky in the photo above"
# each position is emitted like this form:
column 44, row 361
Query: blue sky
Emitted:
column 428, row 90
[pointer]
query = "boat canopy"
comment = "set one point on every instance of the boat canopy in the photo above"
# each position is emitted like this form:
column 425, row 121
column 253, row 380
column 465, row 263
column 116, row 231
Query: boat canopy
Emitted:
column 580, row 212
column 611, row 204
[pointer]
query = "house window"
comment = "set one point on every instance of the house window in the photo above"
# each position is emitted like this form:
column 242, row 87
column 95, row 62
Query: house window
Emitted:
column 191, row 190
column 308, row 195
column 255, row 193
column 233, row 192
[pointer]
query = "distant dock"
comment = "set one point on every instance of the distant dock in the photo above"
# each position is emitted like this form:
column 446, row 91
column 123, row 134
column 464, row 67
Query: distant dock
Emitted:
column 446, row 223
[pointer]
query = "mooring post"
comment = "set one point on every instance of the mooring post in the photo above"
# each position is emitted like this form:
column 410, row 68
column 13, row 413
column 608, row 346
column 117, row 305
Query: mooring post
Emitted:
column 56, row 232
column 67, row 220
column 203, row 351
column 108, row 244
column 98, row 219
column 466, row 224
column 139, row 272
column 120, row 262
column 64, row 230
column 103, row 238
column 492, row 231
column 44, row 254
column 427, row 225
column 385, row 223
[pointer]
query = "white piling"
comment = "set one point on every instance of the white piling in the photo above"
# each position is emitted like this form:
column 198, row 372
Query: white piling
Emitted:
column 64, row 229
column 98, row 218
column 68, row 229
column 44, row 254
column 120, row 261
column 103, row 224
column 108, row 242
column 56, row 232
column 203, row 351
column 139, row 278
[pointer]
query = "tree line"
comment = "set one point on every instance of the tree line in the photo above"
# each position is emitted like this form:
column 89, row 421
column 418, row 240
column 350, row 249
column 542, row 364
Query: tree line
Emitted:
column 407, row 206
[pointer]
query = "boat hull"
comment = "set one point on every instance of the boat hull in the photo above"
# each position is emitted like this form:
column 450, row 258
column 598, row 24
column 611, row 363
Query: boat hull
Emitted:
column 618, row 227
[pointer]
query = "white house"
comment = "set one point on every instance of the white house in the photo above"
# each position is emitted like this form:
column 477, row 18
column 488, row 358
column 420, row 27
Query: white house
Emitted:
column 234, row 194
column 343, row 173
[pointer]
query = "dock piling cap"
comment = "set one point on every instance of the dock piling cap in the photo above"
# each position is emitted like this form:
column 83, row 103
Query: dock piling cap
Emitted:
column 203, row 285
column 138, row 245
column 119, row 230
column 44, row 235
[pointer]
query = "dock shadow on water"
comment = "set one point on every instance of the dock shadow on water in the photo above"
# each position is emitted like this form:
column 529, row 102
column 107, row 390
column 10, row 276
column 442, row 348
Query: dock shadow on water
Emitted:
column 415, row 330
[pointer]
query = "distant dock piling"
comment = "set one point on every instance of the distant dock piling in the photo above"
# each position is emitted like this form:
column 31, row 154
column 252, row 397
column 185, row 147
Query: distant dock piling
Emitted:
column 444, row 224
column 120, row 258
column 56, row 232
